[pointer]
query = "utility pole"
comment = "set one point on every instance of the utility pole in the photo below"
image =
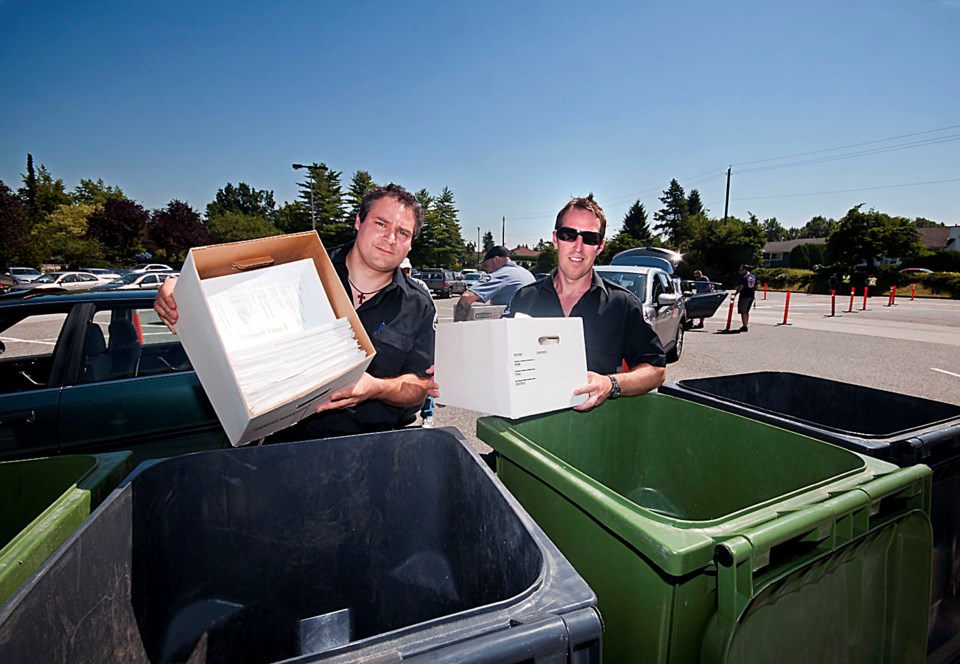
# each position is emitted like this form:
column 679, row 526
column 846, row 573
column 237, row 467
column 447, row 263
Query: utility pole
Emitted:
column 478, row 247
column 313, row 209
column 503, row 233
column 726, row 203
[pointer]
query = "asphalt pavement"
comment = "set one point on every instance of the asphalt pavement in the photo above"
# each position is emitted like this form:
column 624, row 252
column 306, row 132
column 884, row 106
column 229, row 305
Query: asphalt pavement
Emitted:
column 910, row 348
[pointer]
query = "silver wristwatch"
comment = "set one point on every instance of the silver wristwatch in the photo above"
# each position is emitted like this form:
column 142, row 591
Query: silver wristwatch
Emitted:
column 614, row 387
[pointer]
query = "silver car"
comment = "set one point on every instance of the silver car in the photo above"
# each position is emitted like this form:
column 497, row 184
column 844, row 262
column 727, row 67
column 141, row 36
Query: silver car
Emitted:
column 661, row 299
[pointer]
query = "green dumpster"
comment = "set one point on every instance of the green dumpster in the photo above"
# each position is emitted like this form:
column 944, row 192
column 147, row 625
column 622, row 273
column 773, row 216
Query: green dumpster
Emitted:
column 44, row 501
column 711, row 537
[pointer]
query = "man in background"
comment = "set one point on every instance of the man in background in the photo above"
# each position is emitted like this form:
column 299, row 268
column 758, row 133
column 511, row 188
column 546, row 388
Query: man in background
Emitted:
column 746, row 289
column 506, row 277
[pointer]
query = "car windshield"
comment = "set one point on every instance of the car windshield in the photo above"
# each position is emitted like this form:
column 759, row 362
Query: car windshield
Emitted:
column 47, row 278
column 127, row 279
column 633, row 282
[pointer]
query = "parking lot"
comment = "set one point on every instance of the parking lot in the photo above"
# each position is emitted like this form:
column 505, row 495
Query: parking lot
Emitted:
column 911, row 348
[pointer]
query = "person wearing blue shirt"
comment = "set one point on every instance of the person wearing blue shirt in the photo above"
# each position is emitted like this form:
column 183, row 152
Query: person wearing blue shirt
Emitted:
column 506, row 278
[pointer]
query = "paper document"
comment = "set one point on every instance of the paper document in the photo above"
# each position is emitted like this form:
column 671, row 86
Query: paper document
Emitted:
column 279, row 332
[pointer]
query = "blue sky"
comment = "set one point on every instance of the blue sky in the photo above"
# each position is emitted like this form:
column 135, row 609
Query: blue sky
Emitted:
column 514, row 105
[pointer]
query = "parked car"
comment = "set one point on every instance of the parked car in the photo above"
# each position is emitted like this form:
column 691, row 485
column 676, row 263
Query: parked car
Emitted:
column 663, row 306
column 665, row 259
column 916, row 270
column 23, row 275
column 471, row 278
column 97, row 371
column 443, row 283
column 102, row 272
column 137, row 280
column 6, row 283
column 62, row 281
column 701, row 299
column 150, row 267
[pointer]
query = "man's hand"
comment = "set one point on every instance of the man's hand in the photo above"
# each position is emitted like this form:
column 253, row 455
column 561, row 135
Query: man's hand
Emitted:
column 433, row 388
column 366, row 388
column 164, row 304
column 462, row 310
column 597, row 390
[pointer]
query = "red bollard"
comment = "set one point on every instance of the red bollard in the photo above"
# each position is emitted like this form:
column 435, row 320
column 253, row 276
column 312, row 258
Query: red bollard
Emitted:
column 786, row 309
column 852, row 291
column 764, row 290
column 833, row 303
column 730, row 314
column 866, row 291
column 893, row 296
column 890, row 298
column 913, row 291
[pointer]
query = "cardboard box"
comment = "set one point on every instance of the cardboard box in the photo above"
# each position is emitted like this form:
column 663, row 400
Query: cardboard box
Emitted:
column 512, row 367
column 198, row 334
column 486, row 311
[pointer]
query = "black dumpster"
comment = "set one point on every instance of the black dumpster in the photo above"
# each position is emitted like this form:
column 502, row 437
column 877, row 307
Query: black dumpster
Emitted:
column 390, row 546
column 903, row 429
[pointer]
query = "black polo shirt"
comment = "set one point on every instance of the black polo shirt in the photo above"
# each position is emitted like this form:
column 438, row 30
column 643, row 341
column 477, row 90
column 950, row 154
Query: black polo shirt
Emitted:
column 401, row 322
column 613, row 326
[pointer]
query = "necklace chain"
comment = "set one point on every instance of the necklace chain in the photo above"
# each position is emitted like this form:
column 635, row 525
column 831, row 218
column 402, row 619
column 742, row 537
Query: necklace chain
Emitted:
column 362, row 295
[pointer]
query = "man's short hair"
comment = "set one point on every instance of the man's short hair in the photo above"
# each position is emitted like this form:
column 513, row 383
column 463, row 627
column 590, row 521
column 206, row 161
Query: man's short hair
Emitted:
column 399, row 194
column 496, row 252
column 584, row 203
column 744, row 266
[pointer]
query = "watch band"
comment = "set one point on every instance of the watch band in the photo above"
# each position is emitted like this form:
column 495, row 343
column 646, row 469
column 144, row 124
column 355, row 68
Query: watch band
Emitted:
column 614, row 387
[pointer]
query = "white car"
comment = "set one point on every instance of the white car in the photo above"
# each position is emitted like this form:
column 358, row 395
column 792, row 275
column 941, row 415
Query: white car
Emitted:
column 150, row 267
column 661, row 299
column 24, row 275
column 137, row 281
column 62, row 281
column 101, row 272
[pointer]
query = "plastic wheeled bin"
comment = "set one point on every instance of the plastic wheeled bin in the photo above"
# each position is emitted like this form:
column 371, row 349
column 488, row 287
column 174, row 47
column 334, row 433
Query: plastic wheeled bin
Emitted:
column 381, row 547
column 714, row 538
column 894, row 427
column 44, row 501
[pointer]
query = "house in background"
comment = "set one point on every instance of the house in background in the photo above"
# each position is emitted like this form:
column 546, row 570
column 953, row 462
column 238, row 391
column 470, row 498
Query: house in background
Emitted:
column 524, row 255
column 777, row 254
column 941, row 238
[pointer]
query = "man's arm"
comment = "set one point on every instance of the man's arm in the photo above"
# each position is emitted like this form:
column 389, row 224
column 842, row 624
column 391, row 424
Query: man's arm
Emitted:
column 463, row 305
column 639, row 380
column 404, row 391
column 165, row 305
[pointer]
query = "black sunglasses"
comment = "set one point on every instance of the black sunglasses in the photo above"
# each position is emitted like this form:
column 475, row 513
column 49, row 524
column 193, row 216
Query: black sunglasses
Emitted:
column 567, row 234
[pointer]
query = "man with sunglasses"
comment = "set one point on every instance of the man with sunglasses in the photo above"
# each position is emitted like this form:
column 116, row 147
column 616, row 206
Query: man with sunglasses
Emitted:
column 614, row 330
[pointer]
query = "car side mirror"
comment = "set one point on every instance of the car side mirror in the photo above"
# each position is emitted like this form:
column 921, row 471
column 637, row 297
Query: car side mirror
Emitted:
column 667, row 299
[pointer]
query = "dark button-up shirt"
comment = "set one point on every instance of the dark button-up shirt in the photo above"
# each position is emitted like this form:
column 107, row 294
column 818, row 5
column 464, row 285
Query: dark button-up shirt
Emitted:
column 613, row 326
column 401, row 322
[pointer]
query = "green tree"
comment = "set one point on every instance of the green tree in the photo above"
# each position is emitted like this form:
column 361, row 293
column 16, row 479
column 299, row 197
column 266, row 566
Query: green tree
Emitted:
column 619, row 242
column 236, row 226
column 488, row 241
column 920, row 222
column 694, row 204
column 41, row 193
column 65, row 236
column 14, row 230
column 635, row 224
column 119, row 226
column 360, row 184
column 865, row 236
column 773, row 231
column 818, row 226
column 721, row 249
column 176, row 228
column 244, row 199
column 89, row 192
column 323, row 185
column 448, row 240
column 422, row 253
column 805, row 256
column 547, row 260
column 672, row 217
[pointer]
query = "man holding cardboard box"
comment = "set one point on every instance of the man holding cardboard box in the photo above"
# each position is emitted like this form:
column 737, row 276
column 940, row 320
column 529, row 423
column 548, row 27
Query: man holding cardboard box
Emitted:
column 613, row 326
column 399, row 318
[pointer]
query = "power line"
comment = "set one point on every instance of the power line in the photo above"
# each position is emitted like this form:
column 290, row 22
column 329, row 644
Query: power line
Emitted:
column 844, row 147
column 847, row 191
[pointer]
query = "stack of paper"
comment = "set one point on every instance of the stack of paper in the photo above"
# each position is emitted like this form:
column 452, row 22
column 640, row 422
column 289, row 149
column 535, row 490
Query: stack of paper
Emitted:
column 280, row 333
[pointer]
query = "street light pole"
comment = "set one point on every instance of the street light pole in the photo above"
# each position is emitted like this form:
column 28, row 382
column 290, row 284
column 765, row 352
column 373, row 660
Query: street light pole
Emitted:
column 313, row 210
column 478, row 247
